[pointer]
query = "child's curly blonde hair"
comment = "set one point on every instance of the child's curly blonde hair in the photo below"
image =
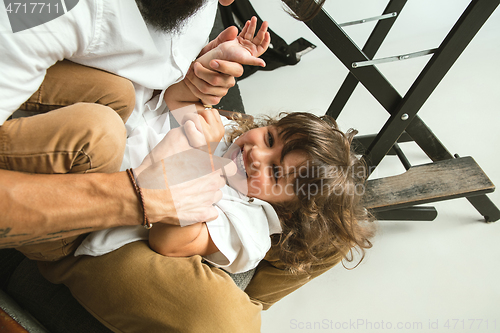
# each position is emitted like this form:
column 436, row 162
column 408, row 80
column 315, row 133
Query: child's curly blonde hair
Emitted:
column 327, row 218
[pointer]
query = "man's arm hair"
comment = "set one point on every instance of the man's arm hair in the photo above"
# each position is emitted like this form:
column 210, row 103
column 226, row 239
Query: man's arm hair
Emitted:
column 39, row 208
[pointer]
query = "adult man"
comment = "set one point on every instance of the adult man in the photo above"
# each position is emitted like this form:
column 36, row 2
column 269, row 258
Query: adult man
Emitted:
column 133, row 289
column 114, row 37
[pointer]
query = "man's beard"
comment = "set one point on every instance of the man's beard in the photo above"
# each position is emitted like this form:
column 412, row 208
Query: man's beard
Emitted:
column 168, row 15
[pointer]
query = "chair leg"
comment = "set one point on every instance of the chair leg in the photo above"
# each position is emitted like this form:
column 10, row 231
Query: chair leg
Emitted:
column 416, row 213
column 485, row 207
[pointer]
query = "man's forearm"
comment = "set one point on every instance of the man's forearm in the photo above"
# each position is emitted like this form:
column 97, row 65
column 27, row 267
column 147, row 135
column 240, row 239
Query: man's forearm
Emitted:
column 40, row 208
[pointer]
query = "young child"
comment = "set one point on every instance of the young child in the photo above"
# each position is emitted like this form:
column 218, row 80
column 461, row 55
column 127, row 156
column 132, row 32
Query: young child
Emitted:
column 304, row 166
column 322, row 181
column 304, row 186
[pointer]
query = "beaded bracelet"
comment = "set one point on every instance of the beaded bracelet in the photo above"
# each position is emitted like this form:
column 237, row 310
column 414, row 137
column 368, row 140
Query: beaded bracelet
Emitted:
column 138, row 191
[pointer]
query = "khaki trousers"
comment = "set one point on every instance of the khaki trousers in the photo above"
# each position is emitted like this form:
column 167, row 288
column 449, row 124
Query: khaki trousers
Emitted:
column 134, row 289
column 83, row 132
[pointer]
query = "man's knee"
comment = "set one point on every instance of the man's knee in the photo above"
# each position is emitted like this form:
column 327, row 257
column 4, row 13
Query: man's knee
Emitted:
column 79, row 138
column 122, row 97
column 67, row 83
column 104, row 139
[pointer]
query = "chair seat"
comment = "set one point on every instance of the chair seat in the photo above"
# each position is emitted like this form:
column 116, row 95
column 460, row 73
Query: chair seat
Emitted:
column 426, row 183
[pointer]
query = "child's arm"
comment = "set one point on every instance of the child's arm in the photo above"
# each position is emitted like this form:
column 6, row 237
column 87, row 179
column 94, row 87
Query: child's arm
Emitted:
column 177, row 241
column 245, row 49
column 178, row 95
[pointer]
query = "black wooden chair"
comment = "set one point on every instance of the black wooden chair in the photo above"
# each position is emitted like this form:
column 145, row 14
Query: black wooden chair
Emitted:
column 449, row 176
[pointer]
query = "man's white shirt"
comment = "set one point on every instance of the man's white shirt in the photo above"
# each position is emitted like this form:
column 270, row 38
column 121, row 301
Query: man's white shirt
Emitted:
column 106, row 34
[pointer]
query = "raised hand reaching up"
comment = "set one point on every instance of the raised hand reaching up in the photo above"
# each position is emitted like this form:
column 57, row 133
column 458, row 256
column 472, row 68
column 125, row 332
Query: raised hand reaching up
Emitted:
column 244, row 49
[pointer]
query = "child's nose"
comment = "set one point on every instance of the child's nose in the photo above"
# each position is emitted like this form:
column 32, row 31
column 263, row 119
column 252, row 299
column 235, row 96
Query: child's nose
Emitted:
column 256, row 155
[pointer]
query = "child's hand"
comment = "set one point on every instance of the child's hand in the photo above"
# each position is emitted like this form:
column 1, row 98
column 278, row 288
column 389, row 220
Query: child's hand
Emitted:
column 255, row 45
column 204, row 128
column 246, row 48
column 226, row 58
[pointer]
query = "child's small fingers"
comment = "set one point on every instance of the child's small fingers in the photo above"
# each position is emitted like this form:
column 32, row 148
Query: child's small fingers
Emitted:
column 251, row 28
column 216, row 115
column 267, row 40
column 210, row 116
column 206, row 114
column 216, row 124
column 264, row 27
column 194, row 119
column 245, row 29
column 194, row 135
column 261, row 34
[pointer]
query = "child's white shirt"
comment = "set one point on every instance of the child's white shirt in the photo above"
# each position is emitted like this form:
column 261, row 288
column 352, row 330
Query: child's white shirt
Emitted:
column 240, row 232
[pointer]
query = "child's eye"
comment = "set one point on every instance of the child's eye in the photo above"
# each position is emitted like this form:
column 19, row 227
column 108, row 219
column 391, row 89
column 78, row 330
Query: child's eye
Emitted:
column 275, row 173
column 270, row 139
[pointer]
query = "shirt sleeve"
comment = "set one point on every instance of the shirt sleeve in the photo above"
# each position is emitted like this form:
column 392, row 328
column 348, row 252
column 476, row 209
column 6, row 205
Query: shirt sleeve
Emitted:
column 27, row 54
column 105, row 241
column 241, row 233
column 223, row 235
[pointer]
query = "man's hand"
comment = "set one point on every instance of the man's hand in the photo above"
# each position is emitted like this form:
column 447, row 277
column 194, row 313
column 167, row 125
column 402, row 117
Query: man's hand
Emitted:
column 192, row 176
column 226, row 55
column 211, row 84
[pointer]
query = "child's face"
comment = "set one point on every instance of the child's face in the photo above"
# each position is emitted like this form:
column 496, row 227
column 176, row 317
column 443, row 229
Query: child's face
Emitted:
column 266, row 173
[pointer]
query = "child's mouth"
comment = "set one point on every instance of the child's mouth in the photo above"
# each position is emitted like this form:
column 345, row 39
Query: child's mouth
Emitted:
column 238, row 181
column 238, row 159
column 235, row 153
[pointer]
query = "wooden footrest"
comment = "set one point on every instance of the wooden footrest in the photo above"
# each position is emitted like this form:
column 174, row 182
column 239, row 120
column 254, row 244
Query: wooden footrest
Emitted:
column 443, row 180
